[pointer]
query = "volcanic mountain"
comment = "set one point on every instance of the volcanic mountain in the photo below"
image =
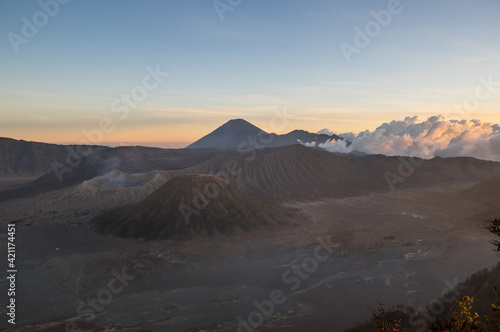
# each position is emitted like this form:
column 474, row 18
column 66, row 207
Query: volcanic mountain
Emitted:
column 237, row 133
column 191, row 205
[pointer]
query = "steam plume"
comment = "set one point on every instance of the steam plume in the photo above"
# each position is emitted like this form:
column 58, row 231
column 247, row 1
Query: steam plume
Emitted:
column 435, row 136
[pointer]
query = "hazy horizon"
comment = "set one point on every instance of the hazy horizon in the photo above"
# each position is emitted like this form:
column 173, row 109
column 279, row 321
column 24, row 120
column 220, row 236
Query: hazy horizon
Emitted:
column 344, row 66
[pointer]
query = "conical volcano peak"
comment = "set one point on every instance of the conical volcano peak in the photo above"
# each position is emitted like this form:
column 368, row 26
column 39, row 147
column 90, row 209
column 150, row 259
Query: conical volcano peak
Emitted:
column 239, row 122
column 236, row 126
column 236, row 132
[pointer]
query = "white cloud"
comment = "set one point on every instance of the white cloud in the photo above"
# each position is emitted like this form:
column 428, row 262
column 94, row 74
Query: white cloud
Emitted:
column 348, row 136
column 428, row 138
column 325, row 131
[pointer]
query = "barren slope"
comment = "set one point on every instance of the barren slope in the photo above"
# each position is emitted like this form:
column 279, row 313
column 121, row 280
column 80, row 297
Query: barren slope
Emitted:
column 192, row 205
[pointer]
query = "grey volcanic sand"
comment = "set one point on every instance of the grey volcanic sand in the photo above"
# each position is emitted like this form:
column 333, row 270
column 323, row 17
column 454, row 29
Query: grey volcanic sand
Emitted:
column 13, row 182
column 395, row 248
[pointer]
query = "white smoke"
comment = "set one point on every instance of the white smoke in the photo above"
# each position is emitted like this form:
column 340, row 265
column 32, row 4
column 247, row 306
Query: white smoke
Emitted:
column 325, row 131
column 429, row 138
column 310, row 144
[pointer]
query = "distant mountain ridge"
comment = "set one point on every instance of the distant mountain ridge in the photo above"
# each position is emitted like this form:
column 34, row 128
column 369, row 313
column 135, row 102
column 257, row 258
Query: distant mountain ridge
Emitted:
column 27, row 158
column 239, row 133
column 24, row 158
column 282, row 173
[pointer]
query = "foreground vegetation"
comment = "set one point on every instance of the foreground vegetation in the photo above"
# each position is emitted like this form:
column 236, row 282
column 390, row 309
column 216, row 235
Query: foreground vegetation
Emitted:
column 464, row 315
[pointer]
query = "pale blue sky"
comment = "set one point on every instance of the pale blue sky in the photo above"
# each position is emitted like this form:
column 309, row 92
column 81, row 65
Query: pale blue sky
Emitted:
column 264, row 55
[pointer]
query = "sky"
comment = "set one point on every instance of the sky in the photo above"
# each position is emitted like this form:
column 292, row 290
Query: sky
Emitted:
column 168, row 72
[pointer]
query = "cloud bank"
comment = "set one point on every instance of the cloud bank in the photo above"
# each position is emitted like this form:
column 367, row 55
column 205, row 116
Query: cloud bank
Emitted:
column 429, row 138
